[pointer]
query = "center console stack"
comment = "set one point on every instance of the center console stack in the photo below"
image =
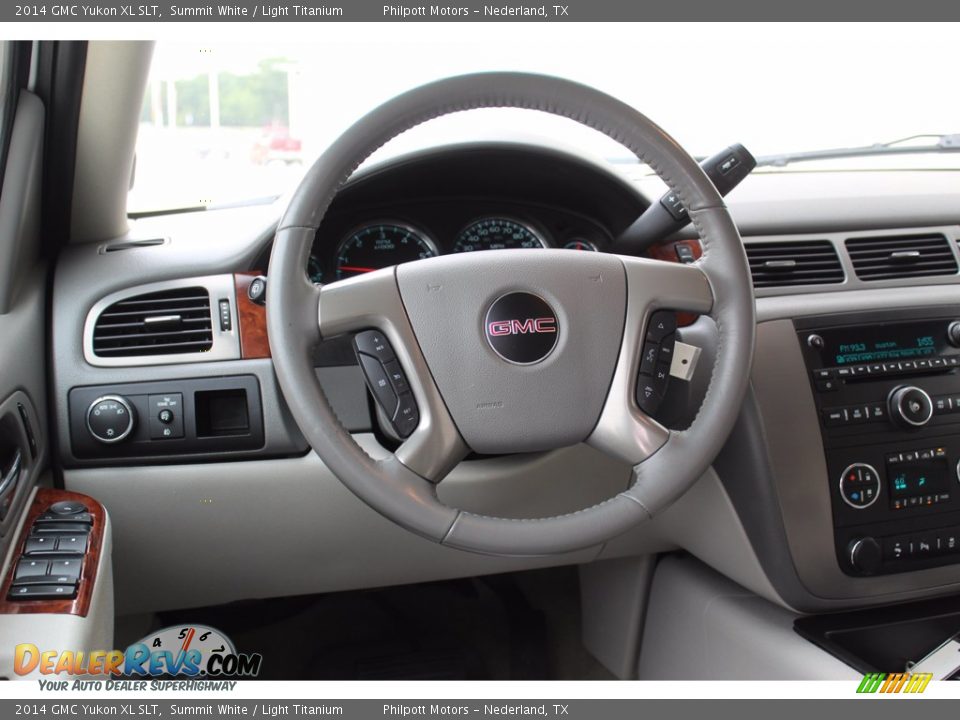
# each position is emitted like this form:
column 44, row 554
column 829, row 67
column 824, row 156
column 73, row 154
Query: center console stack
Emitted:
column 887, row 390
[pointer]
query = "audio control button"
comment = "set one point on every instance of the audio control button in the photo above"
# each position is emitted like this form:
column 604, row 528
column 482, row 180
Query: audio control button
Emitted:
column 860, row 485
column 910, row 406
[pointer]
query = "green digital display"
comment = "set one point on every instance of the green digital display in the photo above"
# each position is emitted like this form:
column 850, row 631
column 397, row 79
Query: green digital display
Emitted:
column 882, row 343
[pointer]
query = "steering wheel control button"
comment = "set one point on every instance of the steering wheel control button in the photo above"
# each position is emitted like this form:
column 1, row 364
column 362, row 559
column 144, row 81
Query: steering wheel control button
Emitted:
column 648, row 360
column 910, row 406
column 379, row 383
column 407, row 417
column 166, row 416
column 662, row 323
column 397, row 379
column 110, row 418
column 860, row 485
column 521, row 328
column 374, row 343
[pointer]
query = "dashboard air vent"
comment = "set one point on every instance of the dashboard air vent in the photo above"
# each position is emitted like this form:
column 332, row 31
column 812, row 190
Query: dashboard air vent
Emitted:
column 159, row 323
column 804, row 262
column 901, row 256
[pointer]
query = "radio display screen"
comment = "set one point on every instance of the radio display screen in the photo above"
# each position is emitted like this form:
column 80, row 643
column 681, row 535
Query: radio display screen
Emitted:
column 882, row 343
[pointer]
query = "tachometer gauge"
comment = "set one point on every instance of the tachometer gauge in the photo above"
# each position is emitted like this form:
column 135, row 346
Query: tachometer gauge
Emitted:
column 497, row 234
column 381, row 245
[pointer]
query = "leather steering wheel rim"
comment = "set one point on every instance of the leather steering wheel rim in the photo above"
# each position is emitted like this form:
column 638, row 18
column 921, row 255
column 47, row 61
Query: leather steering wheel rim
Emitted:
column 402, row 486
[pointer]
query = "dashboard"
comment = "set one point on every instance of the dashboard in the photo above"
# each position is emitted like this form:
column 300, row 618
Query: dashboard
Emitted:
column 772, row 514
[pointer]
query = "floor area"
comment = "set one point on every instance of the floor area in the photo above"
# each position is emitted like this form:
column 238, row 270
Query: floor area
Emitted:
column 522, row 626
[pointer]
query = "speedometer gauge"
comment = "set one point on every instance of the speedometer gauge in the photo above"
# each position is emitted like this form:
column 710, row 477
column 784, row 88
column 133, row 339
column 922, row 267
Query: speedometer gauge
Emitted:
column 381, row 245
column 497, row 234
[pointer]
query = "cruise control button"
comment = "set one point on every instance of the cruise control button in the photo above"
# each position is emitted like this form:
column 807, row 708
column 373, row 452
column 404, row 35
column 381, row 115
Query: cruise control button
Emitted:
column 397, row 378
column 374, row 343
column 379, row 384
column 407, row 417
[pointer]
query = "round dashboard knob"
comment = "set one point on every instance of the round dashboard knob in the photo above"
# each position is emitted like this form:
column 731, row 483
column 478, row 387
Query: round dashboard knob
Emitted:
column 910, row 406
column 953, row 333
column 110, row 418
column 865, row 555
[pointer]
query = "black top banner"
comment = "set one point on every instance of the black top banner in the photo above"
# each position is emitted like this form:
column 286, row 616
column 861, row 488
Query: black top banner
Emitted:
column 469, row 11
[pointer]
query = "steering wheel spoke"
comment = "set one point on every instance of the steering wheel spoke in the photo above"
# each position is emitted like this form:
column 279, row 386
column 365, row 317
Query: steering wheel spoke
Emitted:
column 372, row 302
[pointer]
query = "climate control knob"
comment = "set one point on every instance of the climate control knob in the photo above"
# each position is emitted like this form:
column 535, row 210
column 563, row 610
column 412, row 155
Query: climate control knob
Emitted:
column 865, row 555
column 110, row 418
column 910, row 406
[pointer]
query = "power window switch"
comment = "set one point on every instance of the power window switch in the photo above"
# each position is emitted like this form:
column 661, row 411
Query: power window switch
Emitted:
column 73, row 544
column 41, row 544
column 42, row 592
column 66, row 570
column 48, row 518
column 28, row 568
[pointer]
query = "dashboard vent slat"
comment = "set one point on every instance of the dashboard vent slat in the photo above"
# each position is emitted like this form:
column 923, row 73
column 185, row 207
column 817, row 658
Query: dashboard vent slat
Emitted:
column 804, row 262
column 901, row 256
column 160, row 323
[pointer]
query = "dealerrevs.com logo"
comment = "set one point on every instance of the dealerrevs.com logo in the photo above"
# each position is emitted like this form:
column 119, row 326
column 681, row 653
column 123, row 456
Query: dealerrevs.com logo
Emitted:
column 894, row 683
column 183, row 651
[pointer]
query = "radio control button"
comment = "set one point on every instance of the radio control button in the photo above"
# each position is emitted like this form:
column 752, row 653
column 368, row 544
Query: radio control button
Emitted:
column 865, row 555
column 828, row 385
column 942, row 404
column 937, row 363
column 876, row 411
column 858, row 414
column 949, row 541
column 844, row 372
column 910, row 406
column 908, row 365
column 823, row 374
column 952, row 360
column 858, row 370
column 836, row 416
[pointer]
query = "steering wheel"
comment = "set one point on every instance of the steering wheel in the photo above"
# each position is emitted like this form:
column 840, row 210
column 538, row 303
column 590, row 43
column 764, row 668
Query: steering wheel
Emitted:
column 517, row 382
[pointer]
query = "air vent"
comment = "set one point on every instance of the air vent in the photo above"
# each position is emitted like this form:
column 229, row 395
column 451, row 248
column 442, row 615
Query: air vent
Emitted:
column 805, row 262
column 901, row 256
column 160, row 323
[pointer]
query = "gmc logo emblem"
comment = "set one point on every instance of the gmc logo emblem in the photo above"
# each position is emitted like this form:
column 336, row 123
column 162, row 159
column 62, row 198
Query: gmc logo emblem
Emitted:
column 522, row 327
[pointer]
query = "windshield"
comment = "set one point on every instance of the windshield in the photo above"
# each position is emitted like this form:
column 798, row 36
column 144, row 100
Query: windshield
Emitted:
column 228, row 123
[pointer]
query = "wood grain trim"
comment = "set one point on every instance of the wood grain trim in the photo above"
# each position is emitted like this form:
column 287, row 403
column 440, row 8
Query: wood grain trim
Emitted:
column 667, row 252
column 252, row 320
column 80, row 605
